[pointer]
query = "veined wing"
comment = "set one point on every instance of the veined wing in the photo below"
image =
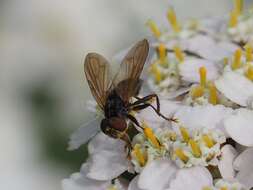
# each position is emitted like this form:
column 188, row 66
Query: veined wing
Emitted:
column 96, row 69
column 127, row 81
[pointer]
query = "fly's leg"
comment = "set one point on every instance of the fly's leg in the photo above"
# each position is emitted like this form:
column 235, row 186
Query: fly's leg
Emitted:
column 142, row 103
column 128, row 145
column 134, row 120
column 146, row 99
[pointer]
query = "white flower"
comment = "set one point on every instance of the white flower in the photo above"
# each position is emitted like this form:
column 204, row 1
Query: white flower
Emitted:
column 243, row 164
column 210, row 116
column 167, row 108
column 164, row 175
column 242, row 31
column 236, row 167
column 189, row 70
column 235, row 87
column 239, row 126
column 80, row 181
column 83, row 134
column 108, row 158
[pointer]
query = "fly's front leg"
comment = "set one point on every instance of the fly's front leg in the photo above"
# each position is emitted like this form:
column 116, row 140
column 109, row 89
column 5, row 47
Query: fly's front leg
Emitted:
column 144, row 105
column 146, row 99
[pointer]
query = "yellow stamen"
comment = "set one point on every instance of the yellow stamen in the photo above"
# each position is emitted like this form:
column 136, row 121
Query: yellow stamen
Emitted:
column 249, row 53
column 206, row 188
column 156, row 72
column 172, row 18
column 208, row 141
column 185, row 134
column 249, row 73
column 225, row 61
column 150, row 135
column 202, row 76
column 139, row 155
column 180, row 153
column 195, row 148
column 162, row 53
column 223, row 188
column 233, row 21
column 173, row 136
column 197, row 91
column 213, row 97
column 154, row 29
column 238, row 6
column 179, row 54
column 112, row 188
column 237, row 59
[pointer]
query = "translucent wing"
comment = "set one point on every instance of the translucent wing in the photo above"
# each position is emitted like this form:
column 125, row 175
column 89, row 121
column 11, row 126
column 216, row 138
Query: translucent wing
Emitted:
column 83, row 134
column 127, row 81
column 96, row 69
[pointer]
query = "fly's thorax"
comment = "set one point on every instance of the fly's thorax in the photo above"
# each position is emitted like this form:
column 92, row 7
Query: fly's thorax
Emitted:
column 114, row 106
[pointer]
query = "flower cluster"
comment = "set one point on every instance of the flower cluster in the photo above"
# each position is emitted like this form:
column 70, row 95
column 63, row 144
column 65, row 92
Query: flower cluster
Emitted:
column 202, row 71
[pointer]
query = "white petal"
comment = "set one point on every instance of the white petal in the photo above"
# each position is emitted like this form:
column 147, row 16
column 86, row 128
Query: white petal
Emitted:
column 203, row 116
column 244, row 159
column 206, row 47
column 167, row 108
column 157, row 175
column 194, row 178
column 235, row 87
column 106, row 165
column 79, row 181
column 174, row 94
column 230, row 47
column 103, row 142
column 239, row 127
column 245, row 177
column 226, row 163
column 189, row 70
column 134, row 184
column 83, row 134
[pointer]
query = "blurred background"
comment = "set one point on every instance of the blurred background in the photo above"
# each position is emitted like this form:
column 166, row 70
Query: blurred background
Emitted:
column 43, row 92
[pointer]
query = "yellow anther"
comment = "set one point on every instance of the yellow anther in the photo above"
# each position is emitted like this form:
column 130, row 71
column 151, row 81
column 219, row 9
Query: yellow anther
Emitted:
column 213, row 97
column 112, row 187
column 206, row 188
column 202, row 76
column 249, row 53
column 249, row 73
column 233, row 21
column 225, row 61
column 173, row 136
column 172, row 18
column 139, row 155
column 162, row 53
column 208, row 141
column 237, row 59
column 223, row 188
column 197, row 91
column 154, row 29
column 180, row 154
column 195, row 148
column 156, row 73
column 185, row 134
column 150, row 135
column 194, row 24
column 179, row 54
column 238, row 7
